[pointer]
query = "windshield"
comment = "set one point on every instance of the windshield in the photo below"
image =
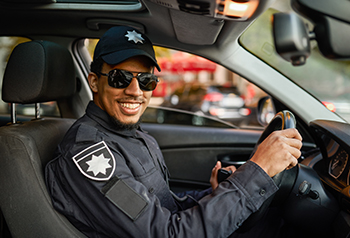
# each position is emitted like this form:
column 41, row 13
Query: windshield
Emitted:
column 327, row 80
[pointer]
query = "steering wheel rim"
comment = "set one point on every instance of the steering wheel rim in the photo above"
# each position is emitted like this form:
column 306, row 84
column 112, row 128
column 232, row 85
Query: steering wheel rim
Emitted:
column 282, row 120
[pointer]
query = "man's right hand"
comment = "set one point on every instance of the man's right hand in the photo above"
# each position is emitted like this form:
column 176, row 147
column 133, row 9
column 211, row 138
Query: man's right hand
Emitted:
column 279, row 151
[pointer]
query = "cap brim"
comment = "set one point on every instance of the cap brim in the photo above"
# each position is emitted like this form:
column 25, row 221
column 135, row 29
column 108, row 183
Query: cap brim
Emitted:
column 120, row 56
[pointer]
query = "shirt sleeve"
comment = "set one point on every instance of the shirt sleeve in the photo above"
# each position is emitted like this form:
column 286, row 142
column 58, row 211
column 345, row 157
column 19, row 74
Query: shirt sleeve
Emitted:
column 189, row 199
column 216, row 215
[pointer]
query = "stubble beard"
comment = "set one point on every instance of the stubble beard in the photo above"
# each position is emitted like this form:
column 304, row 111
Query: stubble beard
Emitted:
column 126, row 126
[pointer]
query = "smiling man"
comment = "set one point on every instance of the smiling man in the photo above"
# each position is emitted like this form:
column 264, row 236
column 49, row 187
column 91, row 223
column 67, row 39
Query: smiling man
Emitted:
column 124, row 105
column 109, row 177
column 125, row 65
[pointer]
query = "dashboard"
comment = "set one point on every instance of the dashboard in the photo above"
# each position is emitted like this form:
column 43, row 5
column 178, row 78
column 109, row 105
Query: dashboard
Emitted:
column 338, row 164
column 325, row 169
column 333, row 166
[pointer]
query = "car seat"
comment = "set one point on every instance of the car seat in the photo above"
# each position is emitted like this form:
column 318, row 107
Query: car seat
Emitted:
column 37, row 71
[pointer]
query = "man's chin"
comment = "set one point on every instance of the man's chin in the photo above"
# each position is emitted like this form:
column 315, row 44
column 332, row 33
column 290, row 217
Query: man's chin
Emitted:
column 126, row 125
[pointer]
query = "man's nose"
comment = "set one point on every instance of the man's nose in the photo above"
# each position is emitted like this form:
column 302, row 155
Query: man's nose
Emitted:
column 134, row 88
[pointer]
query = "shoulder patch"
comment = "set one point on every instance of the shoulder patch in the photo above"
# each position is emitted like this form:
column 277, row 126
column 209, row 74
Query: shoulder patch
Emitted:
column 96, row 162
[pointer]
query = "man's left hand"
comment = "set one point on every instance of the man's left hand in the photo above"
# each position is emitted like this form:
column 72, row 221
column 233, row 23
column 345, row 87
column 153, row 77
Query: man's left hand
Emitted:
column 214, row 174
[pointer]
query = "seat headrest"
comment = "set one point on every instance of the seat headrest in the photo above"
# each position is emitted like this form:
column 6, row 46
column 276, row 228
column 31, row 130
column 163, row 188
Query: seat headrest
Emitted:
column 38, row 71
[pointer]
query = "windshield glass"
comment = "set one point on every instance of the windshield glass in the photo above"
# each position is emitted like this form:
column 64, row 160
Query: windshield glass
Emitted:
column 327, row 80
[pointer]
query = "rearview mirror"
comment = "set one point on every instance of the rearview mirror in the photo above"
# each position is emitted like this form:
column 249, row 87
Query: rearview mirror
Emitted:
column 331, row 25
column 291, row 38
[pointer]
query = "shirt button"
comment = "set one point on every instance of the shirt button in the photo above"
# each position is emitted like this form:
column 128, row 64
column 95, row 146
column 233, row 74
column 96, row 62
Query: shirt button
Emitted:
column 262, row 192
column 151, row 190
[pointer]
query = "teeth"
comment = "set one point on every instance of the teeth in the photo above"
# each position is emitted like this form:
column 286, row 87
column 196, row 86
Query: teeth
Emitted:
column 130, row 105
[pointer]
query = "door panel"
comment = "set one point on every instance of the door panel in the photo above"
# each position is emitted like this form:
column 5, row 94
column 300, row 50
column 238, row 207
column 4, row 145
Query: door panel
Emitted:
column 191, row 152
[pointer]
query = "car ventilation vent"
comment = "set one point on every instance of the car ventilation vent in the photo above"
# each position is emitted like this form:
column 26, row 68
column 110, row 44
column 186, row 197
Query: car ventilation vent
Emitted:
column 194, row 7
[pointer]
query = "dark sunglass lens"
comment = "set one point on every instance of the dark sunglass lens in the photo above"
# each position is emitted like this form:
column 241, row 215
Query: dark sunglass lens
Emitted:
column 118, row 79
column 151, row 86
column 148, row 82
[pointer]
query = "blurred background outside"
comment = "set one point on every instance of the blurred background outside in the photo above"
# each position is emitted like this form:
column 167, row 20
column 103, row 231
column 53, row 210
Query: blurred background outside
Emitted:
column 187, row 82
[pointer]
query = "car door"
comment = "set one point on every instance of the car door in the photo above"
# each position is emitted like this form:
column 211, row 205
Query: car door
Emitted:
column 191, row 151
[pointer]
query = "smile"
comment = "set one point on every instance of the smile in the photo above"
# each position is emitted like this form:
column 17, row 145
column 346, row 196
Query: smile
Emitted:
column 130, row 105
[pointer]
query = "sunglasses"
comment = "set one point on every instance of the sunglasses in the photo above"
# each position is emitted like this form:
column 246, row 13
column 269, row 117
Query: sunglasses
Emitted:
column 118, row 78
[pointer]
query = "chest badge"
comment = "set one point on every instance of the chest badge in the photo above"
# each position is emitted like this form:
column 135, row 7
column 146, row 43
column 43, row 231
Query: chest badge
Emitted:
column 96, row 162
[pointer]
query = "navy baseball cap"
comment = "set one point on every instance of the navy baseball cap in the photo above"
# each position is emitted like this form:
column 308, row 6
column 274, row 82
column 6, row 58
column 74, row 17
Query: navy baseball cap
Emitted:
column 120, row 43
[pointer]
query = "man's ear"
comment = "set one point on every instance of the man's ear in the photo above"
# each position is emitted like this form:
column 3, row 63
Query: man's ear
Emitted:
column 93, row 81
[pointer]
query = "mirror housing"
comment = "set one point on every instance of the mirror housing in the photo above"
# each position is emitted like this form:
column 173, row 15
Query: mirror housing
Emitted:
column 332, row 25
column 266, row 111
column 291, row 38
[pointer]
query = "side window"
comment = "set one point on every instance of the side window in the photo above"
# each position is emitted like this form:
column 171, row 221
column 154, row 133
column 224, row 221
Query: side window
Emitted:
column 201, row 88
column 7, row 44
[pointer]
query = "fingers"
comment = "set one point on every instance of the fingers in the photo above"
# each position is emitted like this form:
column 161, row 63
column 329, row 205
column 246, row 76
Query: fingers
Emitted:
column 289, row 140
column 217, row 166
column 231, row 168
column 294, row 151
column 291, row 158
column 294, row 143
column 279, row 151
column 293, row 163
column 214, row 171
column 291, row 145
column 214, row 175
column 292, row 133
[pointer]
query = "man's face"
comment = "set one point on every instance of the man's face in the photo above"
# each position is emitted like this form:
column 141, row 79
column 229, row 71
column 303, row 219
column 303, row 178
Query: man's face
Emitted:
column 125, row 105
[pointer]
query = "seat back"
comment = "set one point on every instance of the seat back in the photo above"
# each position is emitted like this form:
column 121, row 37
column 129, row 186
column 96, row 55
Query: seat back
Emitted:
column 37, row 71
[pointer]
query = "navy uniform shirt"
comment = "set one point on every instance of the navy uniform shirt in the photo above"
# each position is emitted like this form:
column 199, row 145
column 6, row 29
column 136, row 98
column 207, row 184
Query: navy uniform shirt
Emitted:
column 113, row 183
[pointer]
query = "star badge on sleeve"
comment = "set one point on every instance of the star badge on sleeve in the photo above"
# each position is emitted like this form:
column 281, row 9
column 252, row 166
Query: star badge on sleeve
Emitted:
column 96, row 162
column 134, row 36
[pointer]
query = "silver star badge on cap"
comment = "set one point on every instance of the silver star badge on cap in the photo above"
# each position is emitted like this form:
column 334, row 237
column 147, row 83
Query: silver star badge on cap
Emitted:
column 134, row 36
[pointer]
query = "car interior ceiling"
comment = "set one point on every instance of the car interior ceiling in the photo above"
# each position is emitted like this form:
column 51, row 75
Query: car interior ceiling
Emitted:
column 168, row 21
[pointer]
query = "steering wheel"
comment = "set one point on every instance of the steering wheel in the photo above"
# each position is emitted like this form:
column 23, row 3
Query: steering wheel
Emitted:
column 284, row 180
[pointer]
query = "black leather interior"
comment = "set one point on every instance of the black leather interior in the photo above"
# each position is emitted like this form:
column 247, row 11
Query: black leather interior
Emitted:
column 37, row 72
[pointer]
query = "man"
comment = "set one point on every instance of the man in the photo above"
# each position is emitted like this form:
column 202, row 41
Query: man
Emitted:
column 109, row 177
